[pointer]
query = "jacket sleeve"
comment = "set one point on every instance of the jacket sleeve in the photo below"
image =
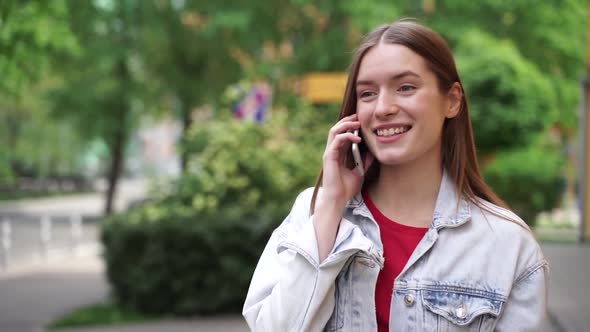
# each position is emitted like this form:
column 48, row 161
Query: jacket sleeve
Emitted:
column 526, row 307
column 289, row 290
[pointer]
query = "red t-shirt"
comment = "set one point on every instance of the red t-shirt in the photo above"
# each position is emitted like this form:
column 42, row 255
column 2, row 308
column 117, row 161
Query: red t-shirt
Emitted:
column 399, row 241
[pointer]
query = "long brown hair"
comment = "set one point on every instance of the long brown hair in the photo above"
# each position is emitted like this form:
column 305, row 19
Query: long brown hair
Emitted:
column 458, row 145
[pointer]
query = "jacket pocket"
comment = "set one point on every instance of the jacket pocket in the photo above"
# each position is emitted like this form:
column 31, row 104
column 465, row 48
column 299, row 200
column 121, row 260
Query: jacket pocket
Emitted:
column 457, row 311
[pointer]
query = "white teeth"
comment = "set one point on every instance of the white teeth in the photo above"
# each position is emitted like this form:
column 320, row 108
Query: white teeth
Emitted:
column 391, row 131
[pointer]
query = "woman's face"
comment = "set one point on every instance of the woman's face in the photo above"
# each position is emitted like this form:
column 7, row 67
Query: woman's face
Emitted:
column 400, row 106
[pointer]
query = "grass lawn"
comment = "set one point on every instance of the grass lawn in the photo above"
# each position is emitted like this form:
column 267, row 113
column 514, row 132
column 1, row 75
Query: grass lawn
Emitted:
column 100, row 314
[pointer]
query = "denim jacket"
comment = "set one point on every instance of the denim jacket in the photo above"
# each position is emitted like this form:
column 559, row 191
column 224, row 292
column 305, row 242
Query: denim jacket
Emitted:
column 472, row 271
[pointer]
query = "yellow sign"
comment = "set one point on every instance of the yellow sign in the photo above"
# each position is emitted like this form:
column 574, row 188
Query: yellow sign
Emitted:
column 324, row 87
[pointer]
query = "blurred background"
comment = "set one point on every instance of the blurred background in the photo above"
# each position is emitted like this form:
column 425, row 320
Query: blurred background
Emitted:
column 149, row 147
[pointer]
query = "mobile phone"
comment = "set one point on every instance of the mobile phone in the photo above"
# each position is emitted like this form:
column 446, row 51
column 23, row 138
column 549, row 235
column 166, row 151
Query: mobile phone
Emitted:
column 356, row 154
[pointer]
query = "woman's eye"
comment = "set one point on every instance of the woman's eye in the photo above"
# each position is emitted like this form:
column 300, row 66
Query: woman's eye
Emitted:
column 406, row 88
column 366, row 94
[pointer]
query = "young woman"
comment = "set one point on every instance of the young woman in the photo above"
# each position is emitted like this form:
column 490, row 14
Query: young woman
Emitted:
column 420, row 243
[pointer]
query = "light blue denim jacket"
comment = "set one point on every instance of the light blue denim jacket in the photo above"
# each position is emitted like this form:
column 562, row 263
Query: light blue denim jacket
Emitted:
column 472, row 271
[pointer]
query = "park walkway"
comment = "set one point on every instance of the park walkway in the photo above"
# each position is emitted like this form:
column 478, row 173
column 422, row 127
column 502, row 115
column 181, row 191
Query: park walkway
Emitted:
column 34, row 296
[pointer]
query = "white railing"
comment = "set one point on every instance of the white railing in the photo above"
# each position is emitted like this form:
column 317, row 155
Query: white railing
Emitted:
column 73, row 238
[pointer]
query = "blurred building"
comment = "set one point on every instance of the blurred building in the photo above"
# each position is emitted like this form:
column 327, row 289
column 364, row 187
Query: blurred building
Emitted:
column 153, row 150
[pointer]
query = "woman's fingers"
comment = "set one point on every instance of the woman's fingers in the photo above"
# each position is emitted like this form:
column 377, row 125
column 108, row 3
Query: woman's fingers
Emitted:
column 353, row 116
column 345, row 139
column 345, row 129
column 338, row 145
column 343, row 126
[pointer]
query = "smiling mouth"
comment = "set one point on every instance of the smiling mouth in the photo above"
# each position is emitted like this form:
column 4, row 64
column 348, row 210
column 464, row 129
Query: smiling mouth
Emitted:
column 392, row 131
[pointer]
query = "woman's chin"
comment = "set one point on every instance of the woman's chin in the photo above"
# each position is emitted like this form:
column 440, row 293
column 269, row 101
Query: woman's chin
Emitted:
column 391, row 160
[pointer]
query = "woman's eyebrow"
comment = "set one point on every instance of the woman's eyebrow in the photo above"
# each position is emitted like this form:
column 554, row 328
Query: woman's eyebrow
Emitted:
column 392, row 78
column 403, row 74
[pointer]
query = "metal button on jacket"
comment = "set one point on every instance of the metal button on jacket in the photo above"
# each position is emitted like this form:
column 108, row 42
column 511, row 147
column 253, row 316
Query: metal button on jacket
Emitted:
column 460, row 311
column 409, row 300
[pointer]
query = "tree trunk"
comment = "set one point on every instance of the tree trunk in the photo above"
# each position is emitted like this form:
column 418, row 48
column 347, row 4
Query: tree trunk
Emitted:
column 116, row 148
column 187, row 121
column 11, row 125
column 119, row 139
column 122, row 108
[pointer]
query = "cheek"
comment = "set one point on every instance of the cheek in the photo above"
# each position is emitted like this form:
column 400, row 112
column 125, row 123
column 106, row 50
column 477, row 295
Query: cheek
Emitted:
column 364, row 113
column 427, row 107
column 419, row 104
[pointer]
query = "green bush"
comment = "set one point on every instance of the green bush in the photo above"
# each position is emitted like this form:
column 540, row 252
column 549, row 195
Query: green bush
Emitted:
column 528, row 180
column 171, row 263
column 195, row 249
column 511, row 101
column 6, row 173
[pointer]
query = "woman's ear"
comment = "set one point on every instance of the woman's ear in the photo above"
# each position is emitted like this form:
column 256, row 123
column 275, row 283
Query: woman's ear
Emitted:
column 455, row 96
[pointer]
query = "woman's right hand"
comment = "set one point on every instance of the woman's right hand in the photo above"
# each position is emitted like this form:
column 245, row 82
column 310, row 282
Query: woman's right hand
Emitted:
column 340, row 183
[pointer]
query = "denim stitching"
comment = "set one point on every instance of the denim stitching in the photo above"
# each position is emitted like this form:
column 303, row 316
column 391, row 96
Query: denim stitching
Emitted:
column 457, row 289
column 531, row 270
column 300, row 251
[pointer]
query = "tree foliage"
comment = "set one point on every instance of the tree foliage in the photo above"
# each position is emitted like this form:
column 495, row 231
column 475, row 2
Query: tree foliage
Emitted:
column 550, row 35
column 32, row 33
column 510, row 100
column 182, row 54
column 529, row 179
column 101, row 89
column 240, row 182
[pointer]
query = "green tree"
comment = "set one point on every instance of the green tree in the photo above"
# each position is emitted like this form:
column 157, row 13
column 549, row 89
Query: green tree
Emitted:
column 520, row 62
column 197, row 48
column 36, row 144
column 549, row 34
column 32, row 34
column 510, row 100
column 101, row 92
column 189, row 46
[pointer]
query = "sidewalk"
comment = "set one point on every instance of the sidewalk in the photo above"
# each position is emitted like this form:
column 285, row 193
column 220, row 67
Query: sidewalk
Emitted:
column 218, row 324
column 32, row 297
column 90, row 204
column 569, row 293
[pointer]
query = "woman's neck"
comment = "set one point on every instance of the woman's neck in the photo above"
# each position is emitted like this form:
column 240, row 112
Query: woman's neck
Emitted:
column 407, row 193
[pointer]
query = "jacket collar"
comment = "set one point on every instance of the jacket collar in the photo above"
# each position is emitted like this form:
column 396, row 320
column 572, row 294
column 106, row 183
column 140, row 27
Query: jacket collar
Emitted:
column 451, row 209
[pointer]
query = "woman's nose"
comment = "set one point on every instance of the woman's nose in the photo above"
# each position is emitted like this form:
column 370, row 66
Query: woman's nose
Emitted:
column 386, row 105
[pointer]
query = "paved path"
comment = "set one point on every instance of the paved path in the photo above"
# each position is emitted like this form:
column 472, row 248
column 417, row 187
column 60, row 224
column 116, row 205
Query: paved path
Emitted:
column 31, row 297
column 216, row 324
column 569, row 292
column 91, row 204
